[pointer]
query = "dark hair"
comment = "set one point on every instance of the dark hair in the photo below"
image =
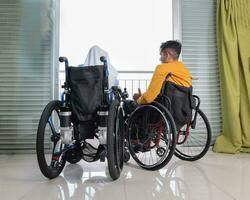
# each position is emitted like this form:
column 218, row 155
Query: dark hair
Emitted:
column 174, row 45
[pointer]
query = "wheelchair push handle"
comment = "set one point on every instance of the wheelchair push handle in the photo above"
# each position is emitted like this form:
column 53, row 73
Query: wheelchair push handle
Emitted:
column 66, row 83
column 124, row 94
column 64, row 59
column 105, row 83
column 103, row 59
column 105, row 63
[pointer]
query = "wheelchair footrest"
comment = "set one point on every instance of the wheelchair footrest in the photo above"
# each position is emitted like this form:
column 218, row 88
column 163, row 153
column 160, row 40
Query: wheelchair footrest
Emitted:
column 91, row 154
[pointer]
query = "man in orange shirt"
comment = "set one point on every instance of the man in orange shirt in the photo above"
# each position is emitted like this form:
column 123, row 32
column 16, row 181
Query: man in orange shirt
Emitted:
column 180, row 75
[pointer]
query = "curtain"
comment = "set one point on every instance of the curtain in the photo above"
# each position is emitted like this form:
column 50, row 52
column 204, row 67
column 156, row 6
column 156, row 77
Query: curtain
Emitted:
column 233, row 41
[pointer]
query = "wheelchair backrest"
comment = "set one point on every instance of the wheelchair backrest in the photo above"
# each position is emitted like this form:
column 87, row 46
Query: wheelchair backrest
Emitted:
column 179, row 101
column 86, row 90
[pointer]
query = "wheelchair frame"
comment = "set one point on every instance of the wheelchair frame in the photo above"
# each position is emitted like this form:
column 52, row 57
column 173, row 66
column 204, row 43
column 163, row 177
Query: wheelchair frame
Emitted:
column 109, row 131
column 113, row 130
column 180, row 139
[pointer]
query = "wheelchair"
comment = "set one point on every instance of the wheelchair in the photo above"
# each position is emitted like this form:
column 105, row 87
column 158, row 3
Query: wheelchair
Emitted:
column 88, row 110
column 159, row 130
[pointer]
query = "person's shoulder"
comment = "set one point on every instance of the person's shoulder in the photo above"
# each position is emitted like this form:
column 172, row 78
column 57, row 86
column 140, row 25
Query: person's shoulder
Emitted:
column 181, row 64
column 163, row 69
column 184, row 68
column 168, row 66
column 163, row 66
column 178, row 64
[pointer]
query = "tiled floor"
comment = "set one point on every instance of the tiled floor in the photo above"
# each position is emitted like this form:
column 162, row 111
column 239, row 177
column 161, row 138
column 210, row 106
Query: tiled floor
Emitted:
column 215, row 177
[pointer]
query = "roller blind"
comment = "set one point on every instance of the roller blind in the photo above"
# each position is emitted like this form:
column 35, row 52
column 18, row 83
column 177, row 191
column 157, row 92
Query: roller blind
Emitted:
column 198, row 24
column 26, row 69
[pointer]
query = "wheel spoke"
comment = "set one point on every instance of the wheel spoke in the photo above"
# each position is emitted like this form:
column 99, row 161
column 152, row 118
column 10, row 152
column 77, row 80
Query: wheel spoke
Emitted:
column 155, row 134
column 52, row 127
column 195, row 145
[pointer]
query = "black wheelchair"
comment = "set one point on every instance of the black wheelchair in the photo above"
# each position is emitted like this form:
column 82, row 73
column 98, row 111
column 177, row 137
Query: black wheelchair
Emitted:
column 88, row 109
column 172, row 125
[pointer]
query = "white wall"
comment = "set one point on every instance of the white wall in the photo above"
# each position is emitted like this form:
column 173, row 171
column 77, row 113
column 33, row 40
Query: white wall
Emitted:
column 130, row 31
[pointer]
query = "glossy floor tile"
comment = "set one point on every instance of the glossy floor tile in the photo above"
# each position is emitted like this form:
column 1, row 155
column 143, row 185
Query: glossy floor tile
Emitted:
column 215, row 177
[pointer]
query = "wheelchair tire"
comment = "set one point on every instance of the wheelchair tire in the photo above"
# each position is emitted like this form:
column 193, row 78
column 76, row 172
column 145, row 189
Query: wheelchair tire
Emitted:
column 50, row 165
column 197, row 143
column 165, row 134
column 115, row 140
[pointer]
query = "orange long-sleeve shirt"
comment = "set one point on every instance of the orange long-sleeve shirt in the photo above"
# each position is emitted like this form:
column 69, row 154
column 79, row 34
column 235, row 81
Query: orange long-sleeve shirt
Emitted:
column 180, row 76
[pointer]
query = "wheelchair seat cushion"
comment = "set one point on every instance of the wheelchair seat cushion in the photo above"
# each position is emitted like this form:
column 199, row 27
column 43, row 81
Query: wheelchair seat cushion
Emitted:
column 86, row 85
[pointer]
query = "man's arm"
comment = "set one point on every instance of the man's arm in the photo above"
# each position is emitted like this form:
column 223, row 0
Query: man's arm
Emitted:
column 154, row 87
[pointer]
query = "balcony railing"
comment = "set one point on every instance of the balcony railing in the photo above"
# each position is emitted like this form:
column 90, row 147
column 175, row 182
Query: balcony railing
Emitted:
column 132, row 80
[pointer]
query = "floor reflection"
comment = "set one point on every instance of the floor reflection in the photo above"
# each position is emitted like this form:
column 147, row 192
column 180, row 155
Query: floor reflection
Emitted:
column 84, row 184
column 214, row 177
column 180, row 180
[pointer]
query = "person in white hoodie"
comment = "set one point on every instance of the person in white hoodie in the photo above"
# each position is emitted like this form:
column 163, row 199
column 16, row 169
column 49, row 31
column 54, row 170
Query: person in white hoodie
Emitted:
column 93, row 58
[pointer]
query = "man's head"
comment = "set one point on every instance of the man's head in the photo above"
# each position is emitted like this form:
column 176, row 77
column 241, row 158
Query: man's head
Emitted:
column 170, row 51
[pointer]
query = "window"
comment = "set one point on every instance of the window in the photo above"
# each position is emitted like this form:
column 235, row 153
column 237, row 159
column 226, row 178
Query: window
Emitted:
column 130, row 31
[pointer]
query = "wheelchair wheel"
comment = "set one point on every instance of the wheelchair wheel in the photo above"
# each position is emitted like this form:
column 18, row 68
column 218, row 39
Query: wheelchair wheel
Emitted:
column 115, row 140
column 193, row 144
column 48, row 144
column 151, row 136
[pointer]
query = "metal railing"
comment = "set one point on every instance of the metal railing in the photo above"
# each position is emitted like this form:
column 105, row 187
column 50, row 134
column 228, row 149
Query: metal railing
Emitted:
column 132, row 80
